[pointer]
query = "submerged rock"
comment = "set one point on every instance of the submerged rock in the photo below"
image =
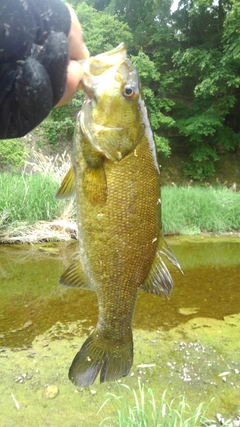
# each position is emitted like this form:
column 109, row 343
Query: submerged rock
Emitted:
column 51, row 392
column 187, row 311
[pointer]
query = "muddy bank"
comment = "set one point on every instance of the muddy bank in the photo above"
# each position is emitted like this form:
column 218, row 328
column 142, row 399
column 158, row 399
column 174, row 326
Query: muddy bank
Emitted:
column 60, row 231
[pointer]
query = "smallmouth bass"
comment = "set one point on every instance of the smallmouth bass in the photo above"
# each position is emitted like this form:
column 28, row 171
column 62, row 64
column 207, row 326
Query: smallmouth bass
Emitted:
column 116, row 179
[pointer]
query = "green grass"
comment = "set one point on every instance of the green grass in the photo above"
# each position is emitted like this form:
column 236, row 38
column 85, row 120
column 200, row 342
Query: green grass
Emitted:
column 27, row 198
column 191, row 210
column 141, row 409
column 185, row 210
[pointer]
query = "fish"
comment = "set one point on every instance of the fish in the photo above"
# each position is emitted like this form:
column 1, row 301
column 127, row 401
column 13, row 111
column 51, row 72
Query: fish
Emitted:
column 116, row 179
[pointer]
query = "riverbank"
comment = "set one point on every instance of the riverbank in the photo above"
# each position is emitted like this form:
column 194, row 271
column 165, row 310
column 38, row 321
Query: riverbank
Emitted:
column 61, row 230
column 42, row 231
column 30, row 214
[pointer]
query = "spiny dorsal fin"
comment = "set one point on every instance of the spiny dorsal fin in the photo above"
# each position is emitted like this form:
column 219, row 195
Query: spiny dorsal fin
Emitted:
column 75, row 277
column 67, row 187
column 159, row 279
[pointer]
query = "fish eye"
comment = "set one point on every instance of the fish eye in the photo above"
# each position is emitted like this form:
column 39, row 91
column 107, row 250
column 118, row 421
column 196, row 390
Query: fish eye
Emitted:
column 129, row 91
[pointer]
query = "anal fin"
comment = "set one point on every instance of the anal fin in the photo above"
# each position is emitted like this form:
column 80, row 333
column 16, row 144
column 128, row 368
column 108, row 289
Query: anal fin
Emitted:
column 75, row 277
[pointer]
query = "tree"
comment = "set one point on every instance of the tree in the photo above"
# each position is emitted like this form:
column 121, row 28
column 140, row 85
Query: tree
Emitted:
column 209, row 75
column 143, row 18
column 102, row 31
column 158, row 107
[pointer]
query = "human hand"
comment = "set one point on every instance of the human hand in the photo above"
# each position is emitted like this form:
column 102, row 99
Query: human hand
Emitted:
column 44, row 72
column 77, row 51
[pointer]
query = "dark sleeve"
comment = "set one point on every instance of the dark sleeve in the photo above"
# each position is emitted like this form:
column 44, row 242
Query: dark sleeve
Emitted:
column 27, row 22
column 33, row 62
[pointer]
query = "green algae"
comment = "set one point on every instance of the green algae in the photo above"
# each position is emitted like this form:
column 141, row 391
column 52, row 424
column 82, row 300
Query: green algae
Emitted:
column 186, row 360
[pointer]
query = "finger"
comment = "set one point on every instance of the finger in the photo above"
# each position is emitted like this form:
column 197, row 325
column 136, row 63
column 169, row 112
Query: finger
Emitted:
column 74, row 75
column 86, row 52
column 77, row 49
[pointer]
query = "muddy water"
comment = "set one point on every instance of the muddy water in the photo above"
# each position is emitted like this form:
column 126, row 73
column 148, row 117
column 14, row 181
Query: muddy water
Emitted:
column 190, row 339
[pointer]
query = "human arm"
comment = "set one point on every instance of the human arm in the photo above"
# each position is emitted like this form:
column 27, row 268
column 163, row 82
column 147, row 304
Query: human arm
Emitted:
column 40, row 44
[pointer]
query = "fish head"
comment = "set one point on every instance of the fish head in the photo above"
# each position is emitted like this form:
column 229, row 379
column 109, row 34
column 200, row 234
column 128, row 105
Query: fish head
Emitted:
column 111, row 115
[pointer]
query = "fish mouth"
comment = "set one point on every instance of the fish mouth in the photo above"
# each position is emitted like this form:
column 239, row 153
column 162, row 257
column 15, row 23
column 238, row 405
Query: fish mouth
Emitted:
column 94, row 67
column 102, row 62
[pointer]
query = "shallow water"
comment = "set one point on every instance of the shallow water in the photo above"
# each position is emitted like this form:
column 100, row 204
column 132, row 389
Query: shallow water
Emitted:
column 32, row 301
column 36, row 312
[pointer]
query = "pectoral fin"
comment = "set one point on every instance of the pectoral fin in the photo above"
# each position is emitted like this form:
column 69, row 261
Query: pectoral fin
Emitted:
column 67, row 187
column 95, row 185
column 75, row 277
column 159, row 279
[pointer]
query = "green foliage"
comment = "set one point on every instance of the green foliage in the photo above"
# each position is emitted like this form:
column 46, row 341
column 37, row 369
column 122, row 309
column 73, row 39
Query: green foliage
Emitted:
column 231, row 34
column 185, row 210
column 102, row 31
column 201, row 132
column 146, row 68
column 142, row 16
column 54, row 130
column 162, row 145
column 199, row 125
column 157, row 107
column 60, row 122
column 209, row 72
column 199, row 170
column 12, row 152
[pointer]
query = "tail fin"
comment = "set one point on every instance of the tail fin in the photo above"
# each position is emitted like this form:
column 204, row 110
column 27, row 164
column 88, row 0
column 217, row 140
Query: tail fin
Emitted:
column 95, row 357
